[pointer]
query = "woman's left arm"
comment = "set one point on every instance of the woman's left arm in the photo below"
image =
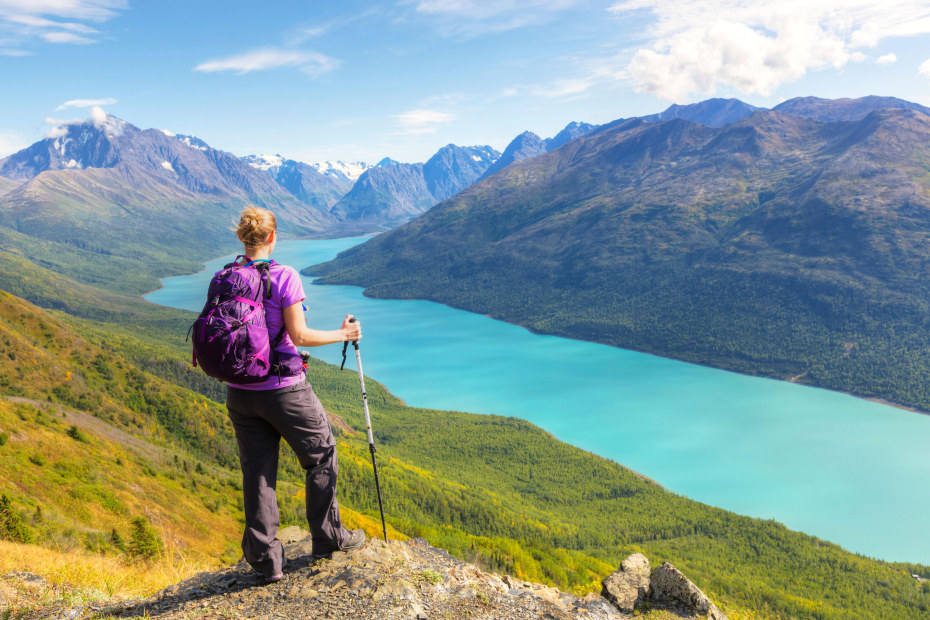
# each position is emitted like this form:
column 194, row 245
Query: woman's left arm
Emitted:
column 296, row 324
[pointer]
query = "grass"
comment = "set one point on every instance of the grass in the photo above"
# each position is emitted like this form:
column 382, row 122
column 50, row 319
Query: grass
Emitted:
column 88, row 576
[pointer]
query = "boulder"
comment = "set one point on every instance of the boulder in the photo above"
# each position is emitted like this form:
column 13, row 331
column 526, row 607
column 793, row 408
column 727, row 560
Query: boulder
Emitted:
column 627, row 587
column 670, row 588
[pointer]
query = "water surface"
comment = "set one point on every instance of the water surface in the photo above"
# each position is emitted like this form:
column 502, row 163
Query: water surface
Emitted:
column 842, row 468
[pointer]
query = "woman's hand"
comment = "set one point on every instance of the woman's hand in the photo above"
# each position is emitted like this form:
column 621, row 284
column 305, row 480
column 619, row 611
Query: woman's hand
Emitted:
column 296, row 323
column 352, row 330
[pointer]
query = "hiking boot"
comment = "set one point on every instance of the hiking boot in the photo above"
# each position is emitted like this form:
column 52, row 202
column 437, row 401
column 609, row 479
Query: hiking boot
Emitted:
column 272, row 579
column 354, row 540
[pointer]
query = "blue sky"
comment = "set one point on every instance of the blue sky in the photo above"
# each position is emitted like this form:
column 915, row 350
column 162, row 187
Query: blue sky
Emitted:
column 317, row 80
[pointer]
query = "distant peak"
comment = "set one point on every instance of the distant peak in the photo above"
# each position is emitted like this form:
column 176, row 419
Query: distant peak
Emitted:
column 111, row 126
column 387, row 161
column 193, row 142
column 263, row 161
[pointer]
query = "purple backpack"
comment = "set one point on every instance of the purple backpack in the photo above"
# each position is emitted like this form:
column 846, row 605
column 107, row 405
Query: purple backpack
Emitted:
column 230, row 337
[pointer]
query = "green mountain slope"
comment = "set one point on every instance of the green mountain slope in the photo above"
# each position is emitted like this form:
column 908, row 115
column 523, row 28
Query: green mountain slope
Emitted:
column 776, row 245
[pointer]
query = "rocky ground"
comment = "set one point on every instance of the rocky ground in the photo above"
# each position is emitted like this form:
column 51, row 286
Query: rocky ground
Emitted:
column 401, row 580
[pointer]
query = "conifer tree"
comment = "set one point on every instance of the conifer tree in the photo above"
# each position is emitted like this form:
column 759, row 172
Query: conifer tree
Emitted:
column 143, row 540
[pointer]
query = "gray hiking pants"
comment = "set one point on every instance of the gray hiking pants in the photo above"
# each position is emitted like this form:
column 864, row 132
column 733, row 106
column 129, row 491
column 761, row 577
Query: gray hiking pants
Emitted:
column 261, row 418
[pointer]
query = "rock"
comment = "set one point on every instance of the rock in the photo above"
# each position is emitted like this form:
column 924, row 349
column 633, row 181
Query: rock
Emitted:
column 671, row 588
column 292, row 534
column 629, row 585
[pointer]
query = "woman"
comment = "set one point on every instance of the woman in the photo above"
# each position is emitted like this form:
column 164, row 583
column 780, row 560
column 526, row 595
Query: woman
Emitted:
column 286, row 407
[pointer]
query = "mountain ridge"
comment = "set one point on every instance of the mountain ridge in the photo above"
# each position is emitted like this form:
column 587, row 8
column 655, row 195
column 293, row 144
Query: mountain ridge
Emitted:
column 639, row 220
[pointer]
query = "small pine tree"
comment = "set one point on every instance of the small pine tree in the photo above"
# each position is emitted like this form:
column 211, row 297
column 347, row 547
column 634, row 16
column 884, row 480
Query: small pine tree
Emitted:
column 200, row 469
column 117, row 541
column 12, row 526
column 77, row 434
column 37, row 517
column 143, row 539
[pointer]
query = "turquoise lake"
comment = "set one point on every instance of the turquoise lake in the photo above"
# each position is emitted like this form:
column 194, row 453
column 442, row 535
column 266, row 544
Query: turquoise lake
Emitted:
column 844, row 469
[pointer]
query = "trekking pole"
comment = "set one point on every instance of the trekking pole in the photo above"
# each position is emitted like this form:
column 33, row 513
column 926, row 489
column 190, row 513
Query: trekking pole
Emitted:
column 371, row 439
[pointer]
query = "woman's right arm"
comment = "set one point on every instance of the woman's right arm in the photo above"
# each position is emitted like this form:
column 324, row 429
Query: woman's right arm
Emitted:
column 296, row 324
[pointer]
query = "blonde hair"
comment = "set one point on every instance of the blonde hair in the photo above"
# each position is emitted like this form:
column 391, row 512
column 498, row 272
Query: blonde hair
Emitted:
column 255, row 226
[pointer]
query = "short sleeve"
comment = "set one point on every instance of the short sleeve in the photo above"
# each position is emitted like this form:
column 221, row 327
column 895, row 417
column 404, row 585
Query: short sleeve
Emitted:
column 291, row 288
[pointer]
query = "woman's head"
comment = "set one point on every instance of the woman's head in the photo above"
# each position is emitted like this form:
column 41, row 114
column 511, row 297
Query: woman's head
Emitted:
column 255, row 226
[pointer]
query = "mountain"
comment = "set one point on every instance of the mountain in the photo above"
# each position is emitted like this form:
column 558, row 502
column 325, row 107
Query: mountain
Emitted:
column 570, row 132
column 775, row 245
column 7, row 185
column 844, row 109
column 393, row 193
column 303, row 181
column 524, row 146
column 712, row 112
column 386, row 194
column 103, row 184
column 528, row 144
column 347, row 172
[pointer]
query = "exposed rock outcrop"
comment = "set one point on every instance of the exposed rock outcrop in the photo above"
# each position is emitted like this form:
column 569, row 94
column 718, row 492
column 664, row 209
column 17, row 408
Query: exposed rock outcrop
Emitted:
column 400, row 580
column 628, row 587
column 633, row 586
column 670, row 588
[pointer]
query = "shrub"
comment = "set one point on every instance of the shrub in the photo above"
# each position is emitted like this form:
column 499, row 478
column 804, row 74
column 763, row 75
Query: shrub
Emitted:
column 12, row 525
column 117, row 541
column 77, row 434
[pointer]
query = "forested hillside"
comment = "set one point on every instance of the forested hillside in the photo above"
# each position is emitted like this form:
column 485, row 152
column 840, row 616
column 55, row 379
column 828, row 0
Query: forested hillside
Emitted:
column 775, row 245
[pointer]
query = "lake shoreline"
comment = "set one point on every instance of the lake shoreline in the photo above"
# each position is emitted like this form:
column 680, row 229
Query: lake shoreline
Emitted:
column 720, row 438
column 874, row 399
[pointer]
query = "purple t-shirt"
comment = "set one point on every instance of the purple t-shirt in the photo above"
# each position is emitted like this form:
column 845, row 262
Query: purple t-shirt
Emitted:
column 286, row 290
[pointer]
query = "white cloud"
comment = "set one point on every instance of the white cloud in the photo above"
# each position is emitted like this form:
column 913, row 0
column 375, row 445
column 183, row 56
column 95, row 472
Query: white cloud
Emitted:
column 110, row 125
column 568, row 88
column 28, row 20
column 472, row 17
column 755, row 46
column 65, row 37
column 924, row 69
column 311, row 63
column 86, row 103
column 93, row 10
column 15, row 53
column 422, row 121
column 887, row 59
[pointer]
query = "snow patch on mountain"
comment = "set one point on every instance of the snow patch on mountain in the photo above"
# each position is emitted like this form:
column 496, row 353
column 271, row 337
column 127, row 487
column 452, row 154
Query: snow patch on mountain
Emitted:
column 167, row 166
column 264, row 162
column 347, row 170
column 193, row 142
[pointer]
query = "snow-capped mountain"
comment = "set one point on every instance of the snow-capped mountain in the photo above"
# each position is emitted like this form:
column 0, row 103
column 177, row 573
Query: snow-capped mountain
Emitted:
column 109, row 180
column 347, row 171
column 304, row 181
column 392, row 193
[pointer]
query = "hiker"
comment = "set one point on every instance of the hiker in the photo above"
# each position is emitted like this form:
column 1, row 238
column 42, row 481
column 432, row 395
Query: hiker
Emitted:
column 285, row 406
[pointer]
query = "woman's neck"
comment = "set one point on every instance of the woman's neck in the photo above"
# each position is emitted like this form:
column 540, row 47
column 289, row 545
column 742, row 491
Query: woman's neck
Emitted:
column 259, row 253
